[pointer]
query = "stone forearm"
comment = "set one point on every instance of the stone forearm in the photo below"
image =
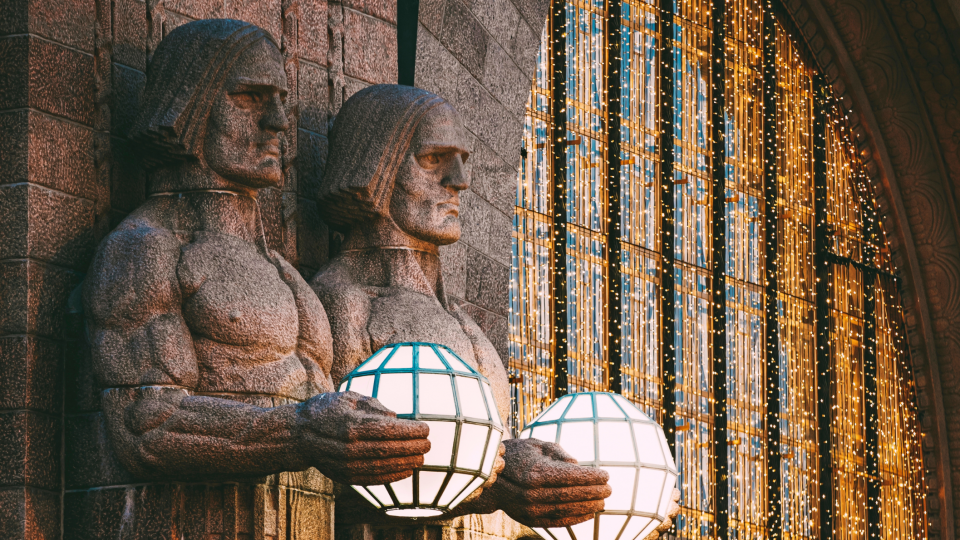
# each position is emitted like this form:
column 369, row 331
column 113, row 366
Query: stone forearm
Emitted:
column 166, row 431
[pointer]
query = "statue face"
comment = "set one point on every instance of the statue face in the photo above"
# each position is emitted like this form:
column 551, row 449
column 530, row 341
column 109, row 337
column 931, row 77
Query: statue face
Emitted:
column 242, row 142
column 426, row 195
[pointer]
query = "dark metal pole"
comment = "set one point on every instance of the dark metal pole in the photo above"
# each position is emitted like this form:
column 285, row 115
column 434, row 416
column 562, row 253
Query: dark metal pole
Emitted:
column 871, row 405
column 771, row 288
column 614, row 156
column 408, row 13
column 558, row 145
column 668, row 351
column 824, row 277
column 719, row 307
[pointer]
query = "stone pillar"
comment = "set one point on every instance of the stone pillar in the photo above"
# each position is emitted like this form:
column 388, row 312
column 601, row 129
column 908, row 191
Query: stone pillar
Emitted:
column 51, row 201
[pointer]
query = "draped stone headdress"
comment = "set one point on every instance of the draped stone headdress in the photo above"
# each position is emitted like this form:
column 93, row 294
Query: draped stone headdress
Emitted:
column 369, row 140
column 184, row 79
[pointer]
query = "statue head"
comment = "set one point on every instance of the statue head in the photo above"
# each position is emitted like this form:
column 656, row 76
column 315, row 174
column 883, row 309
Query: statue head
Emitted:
column 397, row 158
column 214, row 99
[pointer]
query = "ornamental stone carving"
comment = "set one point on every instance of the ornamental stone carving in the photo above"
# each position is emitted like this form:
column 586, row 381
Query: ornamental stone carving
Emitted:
column 214, row 355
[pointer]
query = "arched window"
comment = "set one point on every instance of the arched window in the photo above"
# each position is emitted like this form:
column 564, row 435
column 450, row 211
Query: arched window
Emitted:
column 694, row 230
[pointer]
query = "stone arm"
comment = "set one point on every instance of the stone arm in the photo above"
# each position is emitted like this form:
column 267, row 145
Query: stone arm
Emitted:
column 144, row 357
column 534, row 485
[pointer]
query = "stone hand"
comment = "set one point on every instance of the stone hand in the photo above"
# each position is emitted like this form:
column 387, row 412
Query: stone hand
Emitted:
column 354, row 439
column 672, row 513
column 542, row 486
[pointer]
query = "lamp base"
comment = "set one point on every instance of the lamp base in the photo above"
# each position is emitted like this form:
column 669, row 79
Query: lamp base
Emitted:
column 414, row 512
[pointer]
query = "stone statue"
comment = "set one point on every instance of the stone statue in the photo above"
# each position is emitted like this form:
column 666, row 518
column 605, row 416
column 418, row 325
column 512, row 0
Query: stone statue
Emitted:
column 392, row 187
column 213, row 353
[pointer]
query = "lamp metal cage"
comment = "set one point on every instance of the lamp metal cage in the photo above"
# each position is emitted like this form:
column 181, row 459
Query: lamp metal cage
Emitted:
column 430, row 383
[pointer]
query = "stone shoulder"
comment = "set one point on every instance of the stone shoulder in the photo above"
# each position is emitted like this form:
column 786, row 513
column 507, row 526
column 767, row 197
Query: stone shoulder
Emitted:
column 133, row 272
column 347, row 304
column 335, row 283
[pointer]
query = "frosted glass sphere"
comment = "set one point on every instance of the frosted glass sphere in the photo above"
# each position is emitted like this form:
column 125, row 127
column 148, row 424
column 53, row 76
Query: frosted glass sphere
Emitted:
column 607, row 431
column 428, row 382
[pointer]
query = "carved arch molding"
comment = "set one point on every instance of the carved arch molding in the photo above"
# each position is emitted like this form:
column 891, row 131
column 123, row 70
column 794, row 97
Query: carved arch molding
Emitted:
column 895, row 64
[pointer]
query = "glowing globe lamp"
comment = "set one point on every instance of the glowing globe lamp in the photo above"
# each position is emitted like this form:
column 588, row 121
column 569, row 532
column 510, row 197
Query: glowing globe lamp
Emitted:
column 428, row 382
column 607, row 431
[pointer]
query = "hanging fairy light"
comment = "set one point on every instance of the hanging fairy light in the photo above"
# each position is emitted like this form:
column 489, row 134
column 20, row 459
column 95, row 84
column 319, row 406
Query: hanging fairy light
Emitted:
column 783, row 314
column 605, row 430
column 429, row 383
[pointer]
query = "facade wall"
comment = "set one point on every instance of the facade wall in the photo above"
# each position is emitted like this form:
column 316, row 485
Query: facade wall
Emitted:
column 70, row 76
column 53, row 203
column 480, row 56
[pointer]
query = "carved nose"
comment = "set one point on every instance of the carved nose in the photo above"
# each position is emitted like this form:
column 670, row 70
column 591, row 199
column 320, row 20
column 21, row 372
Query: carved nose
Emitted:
column 457, row 177
column 275, row 116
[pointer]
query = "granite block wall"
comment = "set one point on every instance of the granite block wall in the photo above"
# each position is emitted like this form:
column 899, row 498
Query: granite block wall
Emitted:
column 71, row 76
column 50, row 207
column 480, row 56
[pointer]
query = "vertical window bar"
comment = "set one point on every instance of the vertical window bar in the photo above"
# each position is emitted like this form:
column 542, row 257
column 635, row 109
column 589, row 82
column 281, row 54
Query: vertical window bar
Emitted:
column 719, row 315
column 408, row 13
column 668, row 299
column 614, row 158
column 771, row 288
column 824, row 278
column 558, row 140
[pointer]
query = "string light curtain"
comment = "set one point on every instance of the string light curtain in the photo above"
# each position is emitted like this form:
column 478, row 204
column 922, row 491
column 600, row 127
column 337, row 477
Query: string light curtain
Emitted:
column 797, row 361
column 690, row 41
column 709, row 342
column 640, row 207
column 743, row 273
column 531, row 322
column 587, row 226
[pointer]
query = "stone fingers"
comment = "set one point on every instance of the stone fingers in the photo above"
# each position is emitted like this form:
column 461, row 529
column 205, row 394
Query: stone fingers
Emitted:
column 370, row 472
column 389, row 429
column 561, row 474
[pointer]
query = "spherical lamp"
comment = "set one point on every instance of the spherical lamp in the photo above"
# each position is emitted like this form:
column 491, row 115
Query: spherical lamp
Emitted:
column 607, row 431
column 428, row 382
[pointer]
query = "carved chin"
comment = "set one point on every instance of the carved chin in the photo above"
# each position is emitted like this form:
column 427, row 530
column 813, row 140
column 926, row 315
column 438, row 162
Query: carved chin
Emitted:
column 270, row 168
column 442, row 235
column 269, row 174
column 449, row 234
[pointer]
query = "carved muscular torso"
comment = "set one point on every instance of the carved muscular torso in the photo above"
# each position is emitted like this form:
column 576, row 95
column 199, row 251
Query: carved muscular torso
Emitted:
column 379, row 297
column 253, row 331
column 383, row 296
column 196, row 333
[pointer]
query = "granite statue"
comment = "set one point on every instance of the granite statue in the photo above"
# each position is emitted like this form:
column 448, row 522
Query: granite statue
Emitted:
column 392, row 186
column 213, row 353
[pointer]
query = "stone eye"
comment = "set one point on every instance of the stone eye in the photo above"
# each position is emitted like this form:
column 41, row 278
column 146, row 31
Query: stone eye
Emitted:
column 247, row 99
column 430, row 160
